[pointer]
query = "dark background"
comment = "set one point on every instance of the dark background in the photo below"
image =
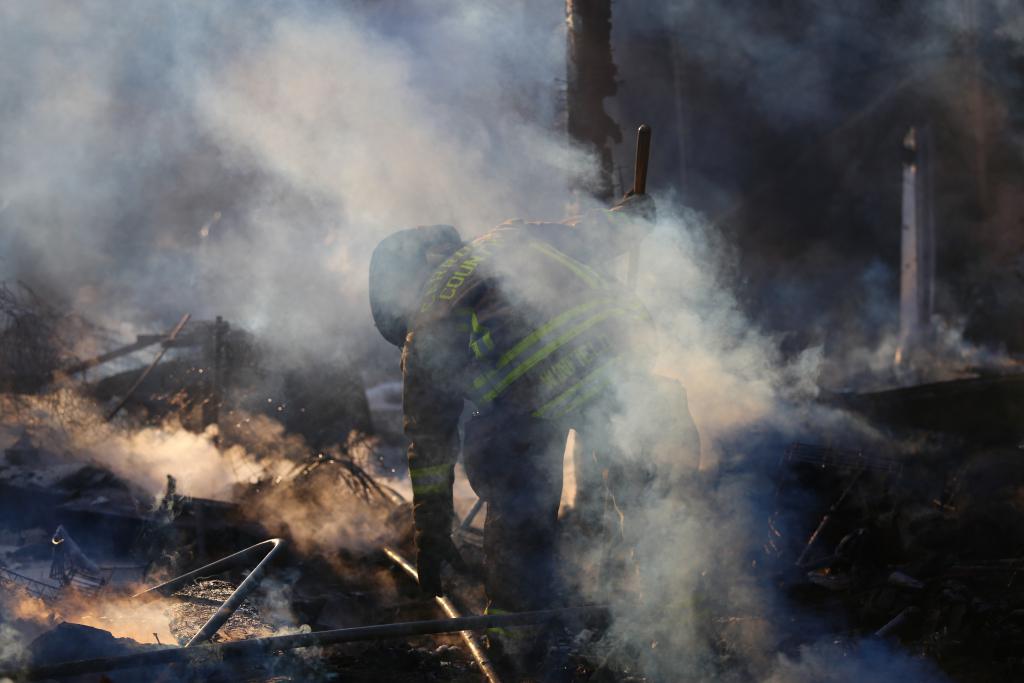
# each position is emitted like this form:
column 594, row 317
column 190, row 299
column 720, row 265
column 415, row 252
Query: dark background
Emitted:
column 782, row 123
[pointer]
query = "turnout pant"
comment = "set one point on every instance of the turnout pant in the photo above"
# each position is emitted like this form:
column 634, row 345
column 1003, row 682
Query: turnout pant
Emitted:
column 626, row 457
column 515, row 465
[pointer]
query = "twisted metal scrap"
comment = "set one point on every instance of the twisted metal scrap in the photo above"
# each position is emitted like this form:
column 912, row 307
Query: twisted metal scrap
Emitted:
column 353, row 475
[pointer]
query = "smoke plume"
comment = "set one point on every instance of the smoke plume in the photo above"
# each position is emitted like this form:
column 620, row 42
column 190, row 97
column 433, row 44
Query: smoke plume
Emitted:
column 243, row 158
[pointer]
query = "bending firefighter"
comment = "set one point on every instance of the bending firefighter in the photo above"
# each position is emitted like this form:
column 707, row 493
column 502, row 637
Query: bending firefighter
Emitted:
column 522, row 323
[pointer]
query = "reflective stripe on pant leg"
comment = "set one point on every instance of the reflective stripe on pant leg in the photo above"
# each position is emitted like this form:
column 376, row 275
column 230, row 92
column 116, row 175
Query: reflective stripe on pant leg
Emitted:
column 431, row 480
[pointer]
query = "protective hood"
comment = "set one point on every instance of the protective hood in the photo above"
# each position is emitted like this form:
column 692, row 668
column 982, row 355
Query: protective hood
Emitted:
column 398, row 268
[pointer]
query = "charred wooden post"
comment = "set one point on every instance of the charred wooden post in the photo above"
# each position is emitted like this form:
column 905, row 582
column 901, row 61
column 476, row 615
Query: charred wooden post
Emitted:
column 591, row 75
column 976, row 105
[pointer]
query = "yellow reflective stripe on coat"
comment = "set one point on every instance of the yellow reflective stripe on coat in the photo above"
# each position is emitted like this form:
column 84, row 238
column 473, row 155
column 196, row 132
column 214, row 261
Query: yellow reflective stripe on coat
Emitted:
column 429, row 470
column 497, row 630
column 546, row 351
column 478, row 351
column 479, row 334
column 535, row 336
column 581, row 270
column 595, row 389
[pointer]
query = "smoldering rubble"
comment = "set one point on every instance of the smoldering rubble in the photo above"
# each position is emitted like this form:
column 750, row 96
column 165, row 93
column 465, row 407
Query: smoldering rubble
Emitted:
column 203, row 472
column 98, row 508
column 794, row 549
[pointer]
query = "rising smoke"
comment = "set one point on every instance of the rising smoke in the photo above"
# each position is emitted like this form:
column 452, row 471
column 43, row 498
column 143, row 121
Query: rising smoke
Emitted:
column 243, row 159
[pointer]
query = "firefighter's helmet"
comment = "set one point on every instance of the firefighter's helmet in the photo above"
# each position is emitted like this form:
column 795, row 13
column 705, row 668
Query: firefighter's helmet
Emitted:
column 399, row 267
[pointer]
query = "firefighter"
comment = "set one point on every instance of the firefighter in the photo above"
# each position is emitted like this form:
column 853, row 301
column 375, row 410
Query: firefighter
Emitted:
column 524, row 323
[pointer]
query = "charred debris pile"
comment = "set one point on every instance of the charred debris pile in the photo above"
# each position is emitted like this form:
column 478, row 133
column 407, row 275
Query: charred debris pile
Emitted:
column 920, row 545
column 81, row 540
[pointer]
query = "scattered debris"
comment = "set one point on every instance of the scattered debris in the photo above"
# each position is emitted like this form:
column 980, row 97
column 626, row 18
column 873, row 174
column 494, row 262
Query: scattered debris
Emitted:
column 919, row 545
column 71, row 566
column 198, row 603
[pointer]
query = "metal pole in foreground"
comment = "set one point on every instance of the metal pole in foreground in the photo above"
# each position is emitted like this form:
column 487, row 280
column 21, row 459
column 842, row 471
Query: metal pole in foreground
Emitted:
column 449, row 609
column 240, row 649
column 473, row 512
column 643, row 155
column 235, row 599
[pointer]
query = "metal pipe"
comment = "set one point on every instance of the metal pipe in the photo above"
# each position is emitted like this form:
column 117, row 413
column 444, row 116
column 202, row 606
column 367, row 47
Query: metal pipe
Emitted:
column 234, row 600
column 145, row 373
column 140, row 343
column 896, row 622
column 240, row 649
column 448, row 608
column 473, row 512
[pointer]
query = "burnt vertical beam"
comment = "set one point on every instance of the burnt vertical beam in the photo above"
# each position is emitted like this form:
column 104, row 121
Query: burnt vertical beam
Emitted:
column 910, row 302
column 975, row 100
column 917, row 245
column 591, row 77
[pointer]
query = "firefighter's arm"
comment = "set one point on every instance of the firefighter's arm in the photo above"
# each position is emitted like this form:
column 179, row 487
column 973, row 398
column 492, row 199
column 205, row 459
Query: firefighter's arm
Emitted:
column 612, row 232
column 600, row 235
column 431, row 414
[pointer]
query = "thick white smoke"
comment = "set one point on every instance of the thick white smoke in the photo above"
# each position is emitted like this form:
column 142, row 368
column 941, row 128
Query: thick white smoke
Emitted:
column 703, row 597
column 243, row 158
